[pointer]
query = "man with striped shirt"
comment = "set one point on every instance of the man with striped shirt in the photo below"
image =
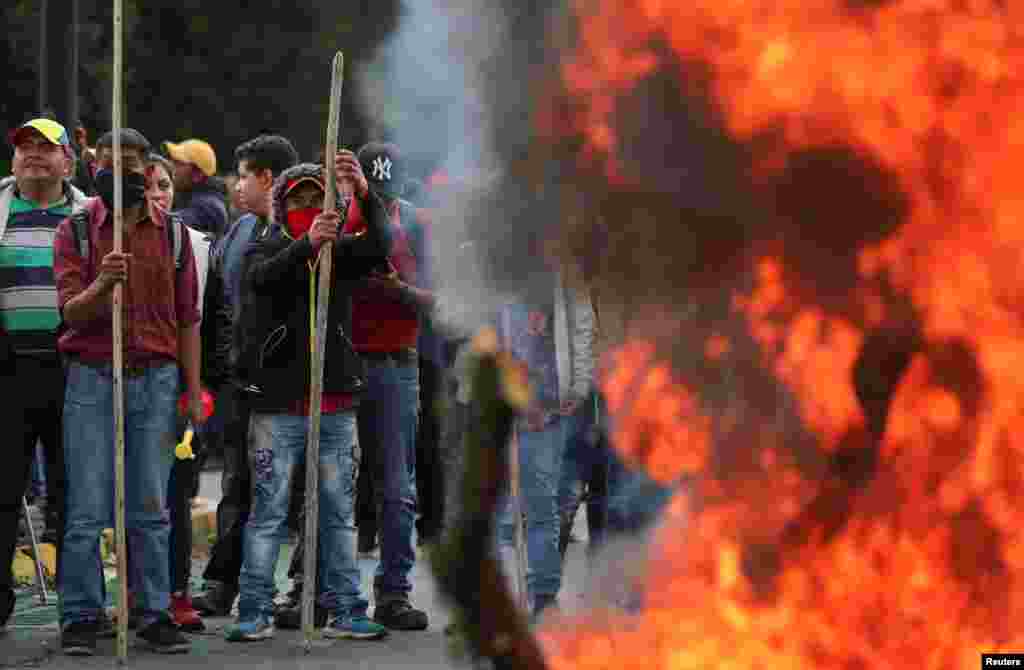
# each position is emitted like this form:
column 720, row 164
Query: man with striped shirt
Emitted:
column 32, row 205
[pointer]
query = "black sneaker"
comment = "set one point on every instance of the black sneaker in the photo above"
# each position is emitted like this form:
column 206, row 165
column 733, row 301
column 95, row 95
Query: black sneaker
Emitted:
column 367, row 542
column 106, row 629
column 399, row 614
column 164, row 637
column 289, row 616
column 79, row 639
column 216, row 601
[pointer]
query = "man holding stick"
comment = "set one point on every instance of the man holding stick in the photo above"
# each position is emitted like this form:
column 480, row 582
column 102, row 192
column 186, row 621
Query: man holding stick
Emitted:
column 275, row 338
column 161, row 332
column 260, row 161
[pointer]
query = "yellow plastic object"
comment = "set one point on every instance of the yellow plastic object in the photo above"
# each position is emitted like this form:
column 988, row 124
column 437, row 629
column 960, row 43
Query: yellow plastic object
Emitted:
column 184, row 449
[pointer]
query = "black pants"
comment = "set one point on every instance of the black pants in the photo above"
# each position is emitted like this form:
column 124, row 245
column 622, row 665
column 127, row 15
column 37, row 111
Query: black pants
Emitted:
column 180, row 491
column 429, row 463
column 236, row 486
column 31, row 411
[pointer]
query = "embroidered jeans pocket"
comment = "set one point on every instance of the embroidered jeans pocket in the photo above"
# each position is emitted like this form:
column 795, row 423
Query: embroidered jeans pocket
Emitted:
column 263, row 464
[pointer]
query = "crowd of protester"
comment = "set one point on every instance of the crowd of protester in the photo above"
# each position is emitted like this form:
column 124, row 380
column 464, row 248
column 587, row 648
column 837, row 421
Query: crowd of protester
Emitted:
column 219, row 284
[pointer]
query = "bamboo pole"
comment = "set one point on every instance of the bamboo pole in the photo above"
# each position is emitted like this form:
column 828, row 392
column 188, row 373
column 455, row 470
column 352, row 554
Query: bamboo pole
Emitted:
column 323, row 300
column 118, row 354
column 492, row 623
column 36, row 556
column 515, row 499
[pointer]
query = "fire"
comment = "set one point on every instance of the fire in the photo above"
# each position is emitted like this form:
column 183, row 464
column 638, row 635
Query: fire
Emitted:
column 857, row 486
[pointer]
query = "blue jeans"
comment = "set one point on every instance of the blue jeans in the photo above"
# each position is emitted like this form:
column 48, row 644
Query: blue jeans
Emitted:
column 585, row 465
column 149, row 412
column 635, row 501
column 277, row 444
column 540, row 463
column 390, row 406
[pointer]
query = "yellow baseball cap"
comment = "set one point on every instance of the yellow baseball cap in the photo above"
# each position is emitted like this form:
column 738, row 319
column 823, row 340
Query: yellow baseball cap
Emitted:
column 194, row 152
column 51, row 130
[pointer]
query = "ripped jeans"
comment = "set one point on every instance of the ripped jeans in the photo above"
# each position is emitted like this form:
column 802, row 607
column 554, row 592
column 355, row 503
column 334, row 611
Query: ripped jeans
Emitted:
column 277, row 452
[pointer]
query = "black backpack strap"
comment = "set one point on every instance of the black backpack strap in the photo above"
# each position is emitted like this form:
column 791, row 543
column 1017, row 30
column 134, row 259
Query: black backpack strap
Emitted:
column 175, row 231
column 80, row 232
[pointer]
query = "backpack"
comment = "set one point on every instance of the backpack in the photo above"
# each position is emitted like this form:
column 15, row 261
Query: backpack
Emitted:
column 80, row 231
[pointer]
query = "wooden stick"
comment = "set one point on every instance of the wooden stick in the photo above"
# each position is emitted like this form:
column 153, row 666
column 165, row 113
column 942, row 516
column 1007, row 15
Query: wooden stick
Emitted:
column 515, row 499
column 40, row 573
column 323, row 301
column 468, row 574
column 118, row 362
column 516, row 504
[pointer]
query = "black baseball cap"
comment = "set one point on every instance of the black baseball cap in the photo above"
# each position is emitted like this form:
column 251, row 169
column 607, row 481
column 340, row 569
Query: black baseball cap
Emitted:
column 384, row 169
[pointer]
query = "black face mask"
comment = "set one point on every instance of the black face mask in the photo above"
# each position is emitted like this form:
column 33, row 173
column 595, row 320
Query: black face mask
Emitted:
column 133, row 188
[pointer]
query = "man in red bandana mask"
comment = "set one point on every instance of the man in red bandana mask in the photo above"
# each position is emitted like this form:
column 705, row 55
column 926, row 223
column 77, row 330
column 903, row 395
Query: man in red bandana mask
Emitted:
column 274, row 339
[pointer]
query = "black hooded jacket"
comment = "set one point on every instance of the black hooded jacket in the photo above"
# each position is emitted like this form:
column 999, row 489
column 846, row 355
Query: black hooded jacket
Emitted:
column 273, row 332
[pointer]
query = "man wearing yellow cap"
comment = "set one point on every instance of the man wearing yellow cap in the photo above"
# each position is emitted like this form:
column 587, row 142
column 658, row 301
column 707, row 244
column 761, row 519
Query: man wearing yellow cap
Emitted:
column 202, row 194
column 32, row 204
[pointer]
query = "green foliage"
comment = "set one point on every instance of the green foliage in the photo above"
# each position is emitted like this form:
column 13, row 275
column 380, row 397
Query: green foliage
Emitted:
column 220, row 71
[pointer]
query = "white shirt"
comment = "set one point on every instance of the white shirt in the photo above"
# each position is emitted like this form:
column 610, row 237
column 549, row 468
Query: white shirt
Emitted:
column 201, row 252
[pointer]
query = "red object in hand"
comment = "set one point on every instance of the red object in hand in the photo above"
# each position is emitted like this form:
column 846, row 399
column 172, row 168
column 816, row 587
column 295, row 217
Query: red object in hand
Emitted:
column 207, row 404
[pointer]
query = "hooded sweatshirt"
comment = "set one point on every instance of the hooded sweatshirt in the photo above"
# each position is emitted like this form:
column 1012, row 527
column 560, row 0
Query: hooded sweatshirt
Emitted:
column 275, row 329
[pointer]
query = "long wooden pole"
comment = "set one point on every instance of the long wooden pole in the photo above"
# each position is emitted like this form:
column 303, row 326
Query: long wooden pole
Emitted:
column 118, row 371
column 323, row 300
column 36, row 556
column 515, row 496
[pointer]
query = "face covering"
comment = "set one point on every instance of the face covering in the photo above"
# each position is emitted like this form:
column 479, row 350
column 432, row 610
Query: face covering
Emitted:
column 133, row 191
column 301, row 220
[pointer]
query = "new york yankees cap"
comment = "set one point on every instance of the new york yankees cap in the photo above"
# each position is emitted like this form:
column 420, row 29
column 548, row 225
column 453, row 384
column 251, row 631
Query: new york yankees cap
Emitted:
column 383, row 167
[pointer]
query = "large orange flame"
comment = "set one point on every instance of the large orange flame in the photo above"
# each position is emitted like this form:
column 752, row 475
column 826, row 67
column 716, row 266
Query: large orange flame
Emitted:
column 922, row 566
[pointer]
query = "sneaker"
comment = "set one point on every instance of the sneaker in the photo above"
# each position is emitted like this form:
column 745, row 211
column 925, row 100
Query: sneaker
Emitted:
column 367, row 542
column 217, row 600
column 184, row 615
column 78, row 639
column 250, row 631
column 355, row 628
column 105, row 627
column 289, row 616
column 399, row 614
column 164, row 637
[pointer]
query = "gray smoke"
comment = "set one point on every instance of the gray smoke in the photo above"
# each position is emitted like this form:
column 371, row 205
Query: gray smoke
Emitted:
column 456, row 75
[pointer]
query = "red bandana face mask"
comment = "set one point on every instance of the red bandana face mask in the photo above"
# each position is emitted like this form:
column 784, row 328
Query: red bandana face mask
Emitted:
column 301, row 220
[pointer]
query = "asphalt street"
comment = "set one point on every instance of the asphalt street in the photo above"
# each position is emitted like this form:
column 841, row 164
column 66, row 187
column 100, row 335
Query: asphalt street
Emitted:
column 26, row 646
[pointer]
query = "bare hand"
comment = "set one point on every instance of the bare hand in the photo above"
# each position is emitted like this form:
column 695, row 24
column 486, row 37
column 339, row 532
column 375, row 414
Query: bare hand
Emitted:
column 325, row 229
column 389, row 283
column 569, row 407
column 536, row 419
column 349, row 171
column 195, row 409
column 113, row 269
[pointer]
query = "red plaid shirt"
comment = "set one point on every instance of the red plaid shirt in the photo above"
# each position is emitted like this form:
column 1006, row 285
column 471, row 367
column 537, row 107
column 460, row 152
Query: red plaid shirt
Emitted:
column 158, row 299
